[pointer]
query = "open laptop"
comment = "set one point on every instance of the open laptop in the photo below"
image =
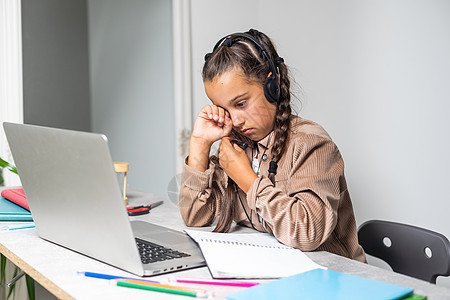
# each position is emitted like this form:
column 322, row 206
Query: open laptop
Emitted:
column 75, row 200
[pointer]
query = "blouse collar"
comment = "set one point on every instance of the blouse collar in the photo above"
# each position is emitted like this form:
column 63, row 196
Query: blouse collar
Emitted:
column 267, row 141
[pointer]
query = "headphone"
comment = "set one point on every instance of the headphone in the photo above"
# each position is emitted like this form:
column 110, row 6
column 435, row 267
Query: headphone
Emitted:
column 271, row 84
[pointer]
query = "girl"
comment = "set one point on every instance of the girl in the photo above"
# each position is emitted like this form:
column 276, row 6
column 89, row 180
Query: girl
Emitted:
column 274, row 172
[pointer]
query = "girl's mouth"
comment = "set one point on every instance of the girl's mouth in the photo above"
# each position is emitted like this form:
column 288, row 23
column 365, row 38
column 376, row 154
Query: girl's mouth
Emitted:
column 246, row 131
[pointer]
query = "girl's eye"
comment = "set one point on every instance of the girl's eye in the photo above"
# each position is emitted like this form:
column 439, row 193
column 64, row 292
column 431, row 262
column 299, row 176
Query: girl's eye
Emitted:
column 241, row 103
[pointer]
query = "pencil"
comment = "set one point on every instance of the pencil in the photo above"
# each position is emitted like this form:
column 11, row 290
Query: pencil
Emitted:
column 217, row 282
column 158, row 289
column 175, row 287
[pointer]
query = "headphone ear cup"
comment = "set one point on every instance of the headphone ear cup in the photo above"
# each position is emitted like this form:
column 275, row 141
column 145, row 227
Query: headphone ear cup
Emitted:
column 272, row 89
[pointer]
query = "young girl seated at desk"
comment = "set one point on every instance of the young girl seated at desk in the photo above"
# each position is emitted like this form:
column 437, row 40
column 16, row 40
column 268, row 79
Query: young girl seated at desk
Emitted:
column 274, row 171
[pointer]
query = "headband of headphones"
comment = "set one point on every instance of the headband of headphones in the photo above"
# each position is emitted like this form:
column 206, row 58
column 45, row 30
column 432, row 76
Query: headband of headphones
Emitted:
column 271, row 84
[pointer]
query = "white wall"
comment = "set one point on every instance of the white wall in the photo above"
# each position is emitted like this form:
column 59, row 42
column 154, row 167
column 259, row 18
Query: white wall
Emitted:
column 132, row 86
column 55, row 64
column 105, row 66
column 376, row 75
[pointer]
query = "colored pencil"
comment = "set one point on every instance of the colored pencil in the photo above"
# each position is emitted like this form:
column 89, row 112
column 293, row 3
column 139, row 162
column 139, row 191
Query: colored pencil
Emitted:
column 217, row 282
column 158, row 289
column 182, row 288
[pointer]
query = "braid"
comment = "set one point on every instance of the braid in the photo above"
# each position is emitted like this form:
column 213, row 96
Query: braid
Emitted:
column 282, row 118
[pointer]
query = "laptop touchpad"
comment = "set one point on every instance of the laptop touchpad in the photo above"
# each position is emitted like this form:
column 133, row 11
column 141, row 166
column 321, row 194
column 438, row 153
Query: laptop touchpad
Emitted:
column 169, row 237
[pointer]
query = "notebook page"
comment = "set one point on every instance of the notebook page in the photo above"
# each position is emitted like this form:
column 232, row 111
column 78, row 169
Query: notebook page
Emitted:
column 251, row 255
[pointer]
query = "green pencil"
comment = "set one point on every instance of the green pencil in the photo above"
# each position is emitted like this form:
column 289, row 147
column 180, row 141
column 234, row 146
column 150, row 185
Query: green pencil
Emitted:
column 160, row 289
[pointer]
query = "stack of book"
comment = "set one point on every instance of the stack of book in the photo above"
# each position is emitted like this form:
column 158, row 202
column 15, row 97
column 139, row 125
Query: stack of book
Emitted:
column 14, row 206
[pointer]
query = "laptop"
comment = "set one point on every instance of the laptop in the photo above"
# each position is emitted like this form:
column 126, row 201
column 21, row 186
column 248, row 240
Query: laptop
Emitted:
column 75, row 200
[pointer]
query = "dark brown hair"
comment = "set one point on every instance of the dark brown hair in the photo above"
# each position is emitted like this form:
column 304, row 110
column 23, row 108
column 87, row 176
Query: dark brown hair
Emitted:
column 241, row 53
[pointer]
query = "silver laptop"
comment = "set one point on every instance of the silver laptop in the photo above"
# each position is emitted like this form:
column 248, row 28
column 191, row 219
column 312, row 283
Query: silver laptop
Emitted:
column 75, row 200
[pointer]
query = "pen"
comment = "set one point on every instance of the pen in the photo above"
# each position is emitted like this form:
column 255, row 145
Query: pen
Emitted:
column 19, row 226
column 109, row 277
column 217, row 282
column 158, row 289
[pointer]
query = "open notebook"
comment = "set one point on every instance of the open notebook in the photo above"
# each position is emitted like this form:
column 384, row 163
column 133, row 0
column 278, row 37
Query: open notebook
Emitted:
column 252, row 255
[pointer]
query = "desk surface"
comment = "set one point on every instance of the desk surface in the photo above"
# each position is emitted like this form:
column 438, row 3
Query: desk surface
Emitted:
column 55, row 267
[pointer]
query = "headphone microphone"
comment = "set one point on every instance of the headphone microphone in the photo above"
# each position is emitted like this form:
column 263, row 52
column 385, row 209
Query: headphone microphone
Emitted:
column 241, row 144
column 271, row 87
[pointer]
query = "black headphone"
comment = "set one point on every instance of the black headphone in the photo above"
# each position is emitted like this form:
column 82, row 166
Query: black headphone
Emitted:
column 271, row 84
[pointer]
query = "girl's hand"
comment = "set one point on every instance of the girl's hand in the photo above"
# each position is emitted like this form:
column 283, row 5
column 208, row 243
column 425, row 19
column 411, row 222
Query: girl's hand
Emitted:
column 211, row 124
column 235, row 163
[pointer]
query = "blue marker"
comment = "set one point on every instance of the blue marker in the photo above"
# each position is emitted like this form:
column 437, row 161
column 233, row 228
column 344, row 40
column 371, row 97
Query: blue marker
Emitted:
column 19, row 226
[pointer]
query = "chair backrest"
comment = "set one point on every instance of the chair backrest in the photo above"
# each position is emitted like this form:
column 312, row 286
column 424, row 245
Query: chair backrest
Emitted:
column 409, row 250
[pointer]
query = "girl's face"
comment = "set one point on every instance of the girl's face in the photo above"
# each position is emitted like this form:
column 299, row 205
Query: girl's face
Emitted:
column 252, row 115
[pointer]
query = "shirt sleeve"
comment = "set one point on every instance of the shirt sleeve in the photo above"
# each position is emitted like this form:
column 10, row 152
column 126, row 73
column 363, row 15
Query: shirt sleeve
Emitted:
column 201, row 194
column 302, row 211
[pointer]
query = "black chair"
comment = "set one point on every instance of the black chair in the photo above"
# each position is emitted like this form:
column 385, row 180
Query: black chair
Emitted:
column 409, row 250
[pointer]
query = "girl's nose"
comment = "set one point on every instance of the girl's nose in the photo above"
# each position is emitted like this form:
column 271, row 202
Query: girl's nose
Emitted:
column 237, row 120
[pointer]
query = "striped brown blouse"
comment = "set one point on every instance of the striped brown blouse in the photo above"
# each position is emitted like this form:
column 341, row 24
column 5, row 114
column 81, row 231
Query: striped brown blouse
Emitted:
column 309, row 206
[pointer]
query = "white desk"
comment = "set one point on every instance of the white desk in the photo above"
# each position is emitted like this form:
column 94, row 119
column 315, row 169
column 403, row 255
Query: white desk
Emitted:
column 55, row 267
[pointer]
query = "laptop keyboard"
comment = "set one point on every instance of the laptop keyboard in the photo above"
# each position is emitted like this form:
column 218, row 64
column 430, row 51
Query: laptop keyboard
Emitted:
column 151, row 252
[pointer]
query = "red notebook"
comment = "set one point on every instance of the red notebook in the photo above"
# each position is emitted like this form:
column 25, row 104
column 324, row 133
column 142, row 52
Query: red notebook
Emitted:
column 16, row 196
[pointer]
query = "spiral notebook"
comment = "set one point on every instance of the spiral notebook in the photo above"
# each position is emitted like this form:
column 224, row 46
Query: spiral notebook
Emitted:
column 251, row 255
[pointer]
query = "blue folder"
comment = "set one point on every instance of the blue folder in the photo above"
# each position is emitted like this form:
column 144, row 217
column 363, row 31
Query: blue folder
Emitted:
column 13, row 212
column 323, row 284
